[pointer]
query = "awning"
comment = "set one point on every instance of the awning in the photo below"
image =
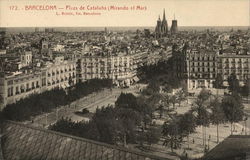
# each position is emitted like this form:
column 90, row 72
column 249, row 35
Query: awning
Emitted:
column 67, row 85
column 136, row 79
column 63, row 86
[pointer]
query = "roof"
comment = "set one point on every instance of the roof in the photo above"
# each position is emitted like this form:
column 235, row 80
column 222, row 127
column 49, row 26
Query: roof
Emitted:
column 232, row 146
column 20, row 141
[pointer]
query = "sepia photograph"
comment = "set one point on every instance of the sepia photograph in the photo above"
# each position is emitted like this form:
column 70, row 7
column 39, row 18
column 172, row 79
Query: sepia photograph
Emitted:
column 125, row 80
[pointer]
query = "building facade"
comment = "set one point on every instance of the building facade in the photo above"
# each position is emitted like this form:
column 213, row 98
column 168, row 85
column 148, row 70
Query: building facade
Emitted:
column 14, row 87
column 60, row 74
column 18, row 85
column 234, row 64
column 201, row 67
column 117, row 68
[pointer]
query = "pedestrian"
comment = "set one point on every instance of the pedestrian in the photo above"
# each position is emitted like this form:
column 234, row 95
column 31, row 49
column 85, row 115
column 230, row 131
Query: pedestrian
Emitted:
column 193, row 140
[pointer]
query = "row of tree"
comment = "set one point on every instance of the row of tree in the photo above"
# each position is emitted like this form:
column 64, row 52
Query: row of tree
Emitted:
column 126, row 122
column 37, row 104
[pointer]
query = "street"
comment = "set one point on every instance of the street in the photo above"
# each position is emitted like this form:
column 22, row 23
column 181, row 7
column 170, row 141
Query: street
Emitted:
column 91, row 102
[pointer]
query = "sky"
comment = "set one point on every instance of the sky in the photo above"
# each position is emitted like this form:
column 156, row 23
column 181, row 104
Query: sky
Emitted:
column 187, row 12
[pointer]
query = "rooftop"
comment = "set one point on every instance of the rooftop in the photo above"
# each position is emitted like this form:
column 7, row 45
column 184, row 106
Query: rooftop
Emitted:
column 20, row 141
column 233, row 146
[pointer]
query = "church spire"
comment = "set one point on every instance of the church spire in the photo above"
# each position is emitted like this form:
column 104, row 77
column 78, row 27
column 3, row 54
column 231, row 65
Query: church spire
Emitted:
column 164, row 17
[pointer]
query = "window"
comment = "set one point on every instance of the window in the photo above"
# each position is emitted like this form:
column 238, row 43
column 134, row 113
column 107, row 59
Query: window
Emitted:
column 17, row 90
column 10, row 82
column 10, row 91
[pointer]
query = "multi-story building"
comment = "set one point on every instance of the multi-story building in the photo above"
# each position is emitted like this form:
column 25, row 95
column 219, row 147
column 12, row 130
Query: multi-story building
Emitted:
column 26, row 58
column 16, row 86
column 115, row 67
column 234, row 64
column 61, row 73
column 201, row 68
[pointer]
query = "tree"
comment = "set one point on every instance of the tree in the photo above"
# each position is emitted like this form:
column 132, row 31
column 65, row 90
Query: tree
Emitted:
column 217, row 117
column 245, row 90
column 172, row 133
column 152, row 88
column 181, row 96
column 233, row 109
column 233, row 83
column 218, row 83
column 128, row 113
column 161, row 110
column 204, row 95
column 187, row 124
column 201, row 110
column 129, row 119
column 126, row 100
column 153, row 135
column 173, row 100
column 145, row 110
column 165, row 100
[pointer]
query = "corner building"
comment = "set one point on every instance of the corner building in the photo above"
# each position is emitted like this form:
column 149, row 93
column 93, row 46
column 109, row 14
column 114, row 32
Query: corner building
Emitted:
column 117, row 68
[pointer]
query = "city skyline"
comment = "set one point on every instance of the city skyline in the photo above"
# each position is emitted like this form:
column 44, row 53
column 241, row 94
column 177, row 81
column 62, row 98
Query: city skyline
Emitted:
column 187, row 12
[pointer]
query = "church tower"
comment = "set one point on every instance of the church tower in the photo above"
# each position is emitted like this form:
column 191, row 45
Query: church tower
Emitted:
column 164, row 24
column 174, row 27
column 158, row 31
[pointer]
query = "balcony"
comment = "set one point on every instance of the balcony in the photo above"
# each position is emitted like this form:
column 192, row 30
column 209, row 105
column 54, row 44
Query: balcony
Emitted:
column 29, row 89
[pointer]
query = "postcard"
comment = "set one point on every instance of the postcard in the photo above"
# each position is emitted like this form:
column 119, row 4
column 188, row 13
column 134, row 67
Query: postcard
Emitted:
column 124, row 79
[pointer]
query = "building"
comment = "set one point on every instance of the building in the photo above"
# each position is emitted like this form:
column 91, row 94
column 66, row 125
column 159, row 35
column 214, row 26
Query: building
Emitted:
column 44, row 47
column 201, row 68
column 174, row 27
column 232, row 63
column 161, row 28
column 60, row 73
column 234, row 147
column 115, row 67
column 15, row 86
column 26, row 58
